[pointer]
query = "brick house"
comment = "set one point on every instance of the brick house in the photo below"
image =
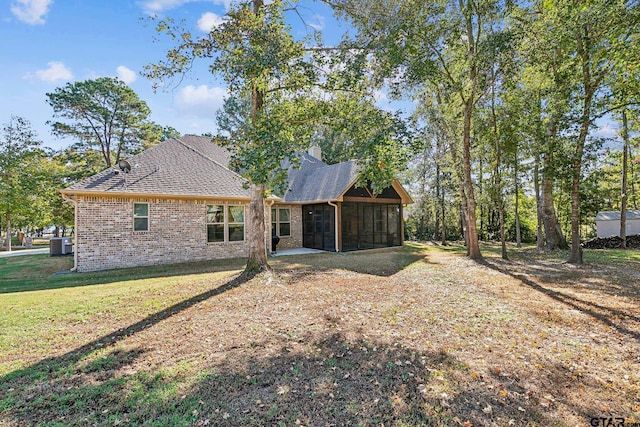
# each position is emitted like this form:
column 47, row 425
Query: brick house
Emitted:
column 180, row 202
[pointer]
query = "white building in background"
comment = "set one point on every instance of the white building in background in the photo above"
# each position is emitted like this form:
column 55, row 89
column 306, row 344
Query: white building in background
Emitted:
column 608, row 223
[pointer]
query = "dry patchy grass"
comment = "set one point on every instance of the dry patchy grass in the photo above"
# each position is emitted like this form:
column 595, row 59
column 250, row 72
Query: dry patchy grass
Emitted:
column 412, row 336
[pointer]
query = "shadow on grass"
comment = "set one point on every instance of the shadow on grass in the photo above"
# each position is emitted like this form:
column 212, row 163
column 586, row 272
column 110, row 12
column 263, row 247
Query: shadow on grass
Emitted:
column 16, row 276
column 72, row 357
column 611, row 317
column 36, row 272
column 382, row 262
column 337, row 382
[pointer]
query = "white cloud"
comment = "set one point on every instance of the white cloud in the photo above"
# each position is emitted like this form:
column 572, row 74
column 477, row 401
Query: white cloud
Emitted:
column 209, row 20
column 56, row 71
column 153, row 7
column 31, row 11
column 200, row 100
column 126, row 74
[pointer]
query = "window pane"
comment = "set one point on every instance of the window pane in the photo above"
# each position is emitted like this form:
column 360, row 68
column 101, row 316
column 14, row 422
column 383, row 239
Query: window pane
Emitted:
column 140, row 209
column 285, row 229
column 236, row 233
column 140, row 224
column 285, row 215
column 215, row 213
column 274, row 227
column 236, row 213
column 215, row 233
column 273, row 214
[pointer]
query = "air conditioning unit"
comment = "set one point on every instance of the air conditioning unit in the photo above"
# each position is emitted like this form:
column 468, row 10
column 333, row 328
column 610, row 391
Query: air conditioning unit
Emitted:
column 67, row 246
column 55, row 246
column 60, row 246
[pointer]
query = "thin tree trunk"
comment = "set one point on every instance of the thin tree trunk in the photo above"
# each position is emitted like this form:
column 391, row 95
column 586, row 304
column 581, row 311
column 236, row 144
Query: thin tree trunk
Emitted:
column 517, row 201
column 443, row 233
column 8, row 242
column 576, row 250
column 634, row 195
column 496, row 173
column 481, row 230
column 625, row 160
column 589, row 85
column 436, row 227
column 463, row 219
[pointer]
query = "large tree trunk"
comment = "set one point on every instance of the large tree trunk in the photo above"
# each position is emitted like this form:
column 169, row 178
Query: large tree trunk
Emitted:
column 552, row 229
column 257, row 260
column 473, row 246
column 625, row 160
column 536, row 186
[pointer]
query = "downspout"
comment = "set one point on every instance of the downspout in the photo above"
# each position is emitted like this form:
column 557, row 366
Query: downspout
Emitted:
column 336, row 224
column 75, row 229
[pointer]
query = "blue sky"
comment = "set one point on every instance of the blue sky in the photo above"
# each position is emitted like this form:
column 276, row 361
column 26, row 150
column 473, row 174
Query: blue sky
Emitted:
column 48, row 43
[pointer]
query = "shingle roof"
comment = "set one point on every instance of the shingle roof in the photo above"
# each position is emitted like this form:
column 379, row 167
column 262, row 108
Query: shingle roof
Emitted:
column 317, row 181
column 615, row 215
column 188, row 166
column 193, row 166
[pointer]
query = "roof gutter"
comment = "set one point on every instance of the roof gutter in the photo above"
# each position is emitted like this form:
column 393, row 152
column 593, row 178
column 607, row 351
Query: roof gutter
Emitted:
column 158, row 195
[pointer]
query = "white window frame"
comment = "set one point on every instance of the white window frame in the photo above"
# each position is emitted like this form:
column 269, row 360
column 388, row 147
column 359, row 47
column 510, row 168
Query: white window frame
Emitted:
column 140, row 217
column 276, row 220
column 224, row 217
column 226, row 222
column 230, row 224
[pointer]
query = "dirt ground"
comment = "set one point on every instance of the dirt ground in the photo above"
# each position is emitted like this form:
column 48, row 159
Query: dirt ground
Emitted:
column 393, row 337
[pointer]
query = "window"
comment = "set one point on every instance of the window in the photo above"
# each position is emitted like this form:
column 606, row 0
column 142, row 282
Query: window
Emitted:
column 141, row 217
column 215, row 223
column 221, row 218
column 236, row 223
column 281, row 221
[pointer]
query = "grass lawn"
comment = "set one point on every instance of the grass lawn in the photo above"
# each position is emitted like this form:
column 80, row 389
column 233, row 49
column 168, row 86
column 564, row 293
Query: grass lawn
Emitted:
column 409, row 336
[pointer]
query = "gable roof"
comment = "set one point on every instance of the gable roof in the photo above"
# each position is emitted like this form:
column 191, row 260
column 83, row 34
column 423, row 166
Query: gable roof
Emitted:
column 191, row 166
column 195, row 167
column 316, row 181
column 615, row 215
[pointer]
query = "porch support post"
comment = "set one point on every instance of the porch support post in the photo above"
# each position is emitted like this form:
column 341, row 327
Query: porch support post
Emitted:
column 401, row 225
column 335, row 228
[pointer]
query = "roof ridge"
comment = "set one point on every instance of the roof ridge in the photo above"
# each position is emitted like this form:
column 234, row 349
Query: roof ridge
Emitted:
column 206, row 157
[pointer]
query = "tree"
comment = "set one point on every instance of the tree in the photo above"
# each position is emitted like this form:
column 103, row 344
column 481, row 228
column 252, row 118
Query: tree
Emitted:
column 102, row 114
column 254, row 52
column 601, row 37
column 273, row 107
column 417, row 44
column 19, row 152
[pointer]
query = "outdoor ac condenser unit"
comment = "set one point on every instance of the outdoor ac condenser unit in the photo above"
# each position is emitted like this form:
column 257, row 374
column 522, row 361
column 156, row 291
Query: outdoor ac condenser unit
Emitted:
column 55, row 246
column 67, row 246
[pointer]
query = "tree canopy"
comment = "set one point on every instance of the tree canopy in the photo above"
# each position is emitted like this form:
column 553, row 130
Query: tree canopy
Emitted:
column 104, row 115
column 20, row 174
